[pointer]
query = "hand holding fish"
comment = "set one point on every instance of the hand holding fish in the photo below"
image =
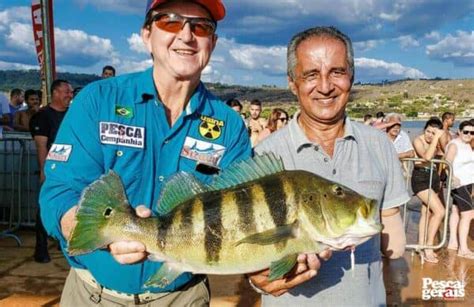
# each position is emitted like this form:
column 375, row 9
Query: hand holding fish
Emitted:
column 254, row 215
column 129, row 252
column 305, row 269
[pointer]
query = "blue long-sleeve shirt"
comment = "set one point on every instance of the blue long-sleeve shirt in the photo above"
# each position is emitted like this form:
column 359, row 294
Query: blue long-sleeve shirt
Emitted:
column 120, row 124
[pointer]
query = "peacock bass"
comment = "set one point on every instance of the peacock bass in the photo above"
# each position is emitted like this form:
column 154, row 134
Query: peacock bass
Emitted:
column 253, row 216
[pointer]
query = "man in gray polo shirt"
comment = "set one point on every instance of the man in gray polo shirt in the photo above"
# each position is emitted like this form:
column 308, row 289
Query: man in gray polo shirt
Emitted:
column 323, row 140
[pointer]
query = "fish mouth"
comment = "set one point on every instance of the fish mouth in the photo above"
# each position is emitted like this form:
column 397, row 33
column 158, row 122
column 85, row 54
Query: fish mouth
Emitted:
column 355, row 235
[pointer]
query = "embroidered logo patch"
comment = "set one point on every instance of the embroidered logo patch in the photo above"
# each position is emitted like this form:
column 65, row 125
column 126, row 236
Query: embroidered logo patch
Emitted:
column 201, row 151
column 210, row 128
column 123, row 135
column 59, row 152
column 126, row 112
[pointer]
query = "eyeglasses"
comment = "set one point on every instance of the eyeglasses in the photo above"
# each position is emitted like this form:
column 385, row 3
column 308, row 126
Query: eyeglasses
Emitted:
column 466, row 132
column 173, row 23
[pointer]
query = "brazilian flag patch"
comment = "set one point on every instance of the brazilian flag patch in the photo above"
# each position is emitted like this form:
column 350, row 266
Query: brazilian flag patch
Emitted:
column 210, row 128
column 126, row 112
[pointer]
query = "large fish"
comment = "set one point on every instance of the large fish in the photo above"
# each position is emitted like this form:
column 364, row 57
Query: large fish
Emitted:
column 253, row 216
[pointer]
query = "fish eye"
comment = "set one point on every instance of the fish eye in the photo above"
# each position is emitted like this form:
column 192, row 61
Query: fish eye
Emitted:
column 338, row 190
column 108, row 212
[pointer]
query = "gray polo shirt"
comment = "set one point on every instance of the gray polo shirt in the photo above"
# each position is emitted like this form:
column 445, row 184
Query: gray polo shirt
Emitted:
column 364, row 160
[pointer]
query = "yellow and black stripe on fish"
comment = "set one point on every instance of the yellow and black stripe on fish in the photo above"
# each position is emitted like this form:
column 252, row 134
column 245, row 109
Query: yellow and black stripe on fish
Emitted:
column 253, row 216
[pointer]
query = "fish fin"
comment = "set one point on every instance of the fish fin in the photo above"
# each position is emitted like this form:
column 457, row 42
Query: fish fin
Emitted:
column 247, row 170
column 155, row 258
column 165, row 275
column 271, row 236
column 179, row 188
column 99, row 202
column 279, row 268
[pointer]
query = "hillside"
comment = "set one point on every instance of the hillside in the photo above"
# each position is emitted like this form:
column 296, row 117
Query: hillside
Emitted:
column 414, row 98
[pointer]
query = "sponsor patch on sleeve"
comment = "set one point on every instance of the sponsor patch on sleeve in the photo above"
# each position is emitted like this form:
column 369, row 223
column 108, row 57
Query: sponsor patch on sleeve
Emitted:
column 202, row 152
column 59, row 152
column 122, row 135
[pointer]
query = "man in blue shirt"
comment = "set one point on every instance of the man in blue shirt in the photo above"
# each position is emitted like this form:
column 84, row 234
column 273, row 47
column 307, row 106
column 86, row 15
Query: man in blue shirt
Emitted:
column 146, row 127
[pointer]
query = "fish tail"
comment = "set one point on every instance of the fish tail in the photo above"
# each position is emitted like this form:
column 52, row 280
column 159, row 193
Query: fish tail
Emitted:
column 101, row 203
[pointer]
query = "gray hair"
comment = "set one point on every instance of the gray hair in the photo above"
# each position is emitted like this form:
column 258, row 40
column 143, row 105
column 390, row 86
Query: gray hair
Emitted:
column 330, row 32
column 389, row 116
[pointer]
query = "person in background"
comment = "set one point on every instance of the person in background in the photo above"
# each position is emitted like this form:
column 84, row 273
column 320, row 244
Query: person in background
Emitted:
column 277, row 120
column 4, row 111
column 236, row 106
column 399, row 138
column 379, row 119
column 22, row 118
column 44, row 126
column 255, row 123
column 17, row 97
column 173, row 124
column 427, row 146
column 368, row 119
column 447, row 118
column 461, row 155
column 322, row 139
column 108, row 72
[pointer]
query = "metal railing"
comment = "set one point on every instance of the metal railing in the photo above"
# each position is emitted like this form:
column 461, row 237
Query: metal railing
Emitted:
column 408, row 165
column 19, row 184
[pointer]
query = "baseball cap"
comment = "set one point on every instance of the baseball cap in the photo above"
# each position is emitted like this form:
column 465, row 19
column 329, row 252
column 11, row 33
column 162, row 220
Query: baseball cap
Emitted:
column 215, row 7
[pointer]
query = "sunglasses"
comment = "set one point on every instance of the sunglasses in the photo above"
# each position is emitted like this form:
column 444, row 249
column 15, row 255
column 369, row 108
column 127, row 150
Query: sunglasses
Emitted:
column 173, row 23
column 466, row 132
column 283, row 119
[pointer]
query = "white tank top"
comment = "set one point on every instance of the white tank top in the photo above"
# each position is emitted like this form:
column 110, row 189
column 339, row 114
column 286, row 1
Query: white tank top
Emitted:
column 463, row 164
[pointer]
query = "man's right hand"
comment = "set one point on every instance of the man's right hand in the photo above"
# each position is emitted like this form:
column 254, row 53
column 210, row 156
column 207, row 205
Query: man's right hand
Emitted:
column 130, row 252
column 124, row 252
column 305, row 269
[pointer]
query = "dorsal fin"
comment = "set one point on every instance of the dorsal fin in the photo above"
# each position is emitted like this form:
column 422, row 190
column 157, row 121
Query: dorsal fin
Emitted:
column 178, row 189
column 247, row 170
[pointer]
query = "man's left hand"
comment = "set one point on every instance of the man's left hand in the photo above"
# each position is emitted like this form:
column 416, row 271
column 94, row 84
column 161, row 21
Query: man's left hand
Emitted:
column 306, row 268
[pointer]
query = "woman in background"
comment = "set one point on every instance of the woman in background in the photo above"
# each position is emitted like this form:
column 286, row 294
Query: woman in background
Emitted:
column 427, row 146
column 461, row 155
column 278, row 119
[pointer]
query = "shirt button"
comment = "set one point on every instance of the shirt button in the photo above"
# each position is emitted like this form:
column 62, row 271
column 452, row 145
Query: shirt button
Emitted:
column 316, row 148
column 119, row 153
column 161, row 178
column 334, row 171
column 326, row 159
column 53, row 166
column 166, row 141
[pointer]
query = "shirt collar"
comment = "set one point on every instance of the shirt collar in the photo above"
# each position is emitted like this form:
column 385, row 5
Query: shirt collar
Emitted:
column 301, row 140
column 147, row 91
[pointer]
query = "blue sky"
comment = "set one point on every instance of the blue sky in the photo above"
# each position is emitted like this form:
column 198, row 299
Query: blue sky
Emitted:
column 393, row 39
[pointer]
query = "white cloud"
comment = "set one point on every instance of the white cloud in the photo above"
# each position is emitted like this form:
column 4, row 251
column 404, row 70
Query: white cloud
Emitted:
column 407, row 41
column 372, row 69
column 458, row 49
column 20, row 36
column 16, row 66
column 135, row 43
column 73, row 43
column 366, row 45
column 16, row 13
column 433, row 35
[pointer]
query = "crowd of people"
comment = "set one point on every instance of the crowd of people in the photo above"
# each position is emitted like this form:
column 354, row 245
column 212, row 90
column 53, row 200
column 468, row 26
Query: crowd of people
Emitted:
column 168, row 108
column 428, row 180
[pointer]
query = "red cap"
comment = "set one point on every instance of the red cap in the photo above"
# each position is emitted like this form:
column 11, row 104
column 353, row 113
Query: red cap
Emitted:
column 215, row 7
